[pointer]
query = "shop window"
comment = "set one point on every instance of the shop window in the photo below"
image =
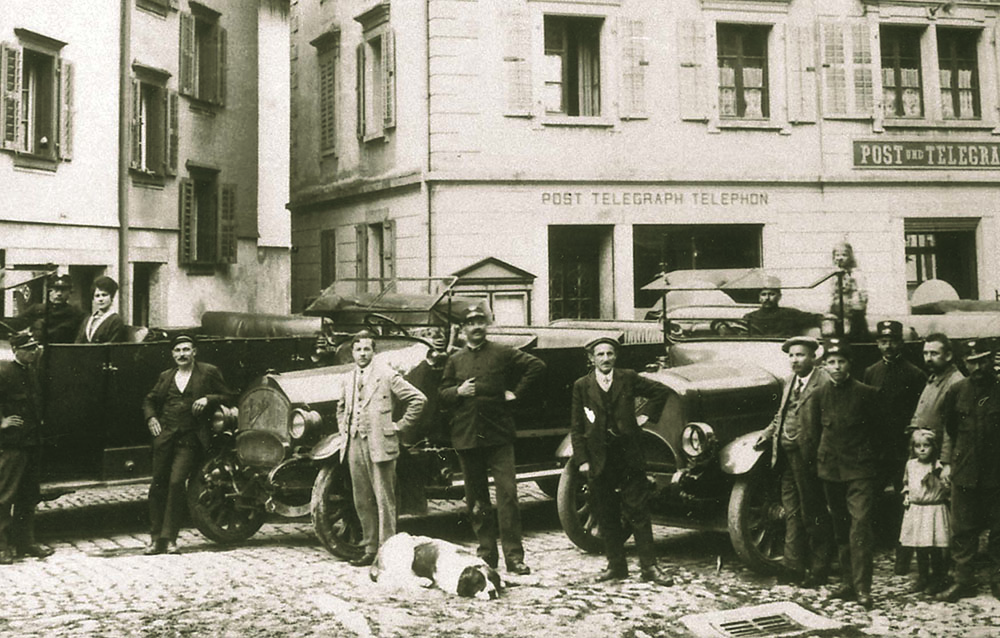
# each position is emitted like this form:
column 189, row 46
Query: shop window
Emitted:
column 942, row 249
column 376, row 75
column 572, row 66
column 36, row 100
column 203, row 55
column 154, row 125
column 959, row 72
column 743, row 71
column 207, row 220
column 575, row 271
column 902, row 92
column 663, row 248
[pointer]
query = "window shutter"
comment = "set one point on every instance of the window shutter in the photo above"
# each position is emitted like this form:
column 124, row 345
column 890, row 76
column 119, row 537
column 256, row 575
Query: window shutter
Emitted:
column 847, row 69
column 135, row 126
column 10, row 95
column 327, row 101
column 360, row 90
column 517, row 62
column 227, row 224
column 186, row 222
column 222, row 70
column 361, row 256
column 389, row 79
column 172, row 134
column 801, row 65
column 634, row 63
column 691, row 76
column 389, row 249
column 65, row 142
column 862, row 87
column 186, row 80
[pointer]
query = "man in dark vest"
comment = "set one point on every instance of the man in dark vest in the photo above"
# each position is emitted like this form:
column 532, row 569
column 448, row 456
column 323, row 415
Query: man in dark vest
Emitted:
column 608, row 448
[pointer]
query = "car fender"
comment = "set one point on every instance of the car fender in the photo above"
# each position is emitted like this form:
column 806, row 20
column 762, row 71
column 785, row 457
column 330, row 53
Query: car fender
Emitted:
column 328, row 446
column 740, row 456
column 565, row 449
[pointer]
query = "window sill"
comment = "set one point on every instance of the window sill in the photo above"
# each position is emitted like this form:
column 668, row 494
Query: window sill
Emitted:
column 147, row 178
column 375, row 137
column 200, row 270
column 37, row 162
column 574, row 120
column 203, row 107
column 967, row 125
column 751, row 125
column 156, row 8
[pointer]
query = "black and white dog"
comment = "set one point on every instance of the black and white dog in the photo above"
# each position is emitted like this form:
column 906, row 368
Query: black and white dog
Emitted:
column 421, row 561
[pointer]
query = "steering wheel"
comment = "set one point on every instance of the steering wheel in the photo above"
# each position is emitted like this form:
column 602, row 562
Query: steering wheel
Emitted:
column 731, row 327
column 383, row 325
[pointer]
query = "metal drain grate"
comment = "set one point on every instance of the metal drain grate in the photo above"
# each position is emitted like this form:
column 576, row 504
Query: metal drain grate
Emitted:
column 771, row 620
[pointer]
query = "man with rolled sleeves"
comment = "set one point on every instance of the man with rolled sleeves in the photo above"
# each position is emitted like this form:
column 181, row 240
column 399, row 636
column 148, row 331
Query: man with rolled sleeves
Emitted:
column 971, row 460
column 55, row 320
column 847, row 461
column 790, row 434
column 608, row 448
column 479, row 384
column 774, row 320
column 20, row 419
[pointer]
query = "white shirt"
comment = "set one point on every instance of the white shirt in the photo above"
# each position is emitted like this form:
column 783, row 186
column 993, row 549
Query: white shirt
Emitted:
column 182, row 378
column 94, row 322
column 605, row 380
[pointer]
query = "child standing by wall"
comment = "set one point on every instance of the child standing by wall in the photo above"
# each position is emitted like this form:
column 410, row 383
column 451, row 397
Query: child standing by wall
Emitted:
column 926, row 521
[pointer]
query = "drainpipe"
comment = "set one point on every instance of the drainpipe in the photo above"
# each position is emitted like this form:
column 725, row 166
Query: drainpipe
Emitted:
column 428, row 168
column 124, row 148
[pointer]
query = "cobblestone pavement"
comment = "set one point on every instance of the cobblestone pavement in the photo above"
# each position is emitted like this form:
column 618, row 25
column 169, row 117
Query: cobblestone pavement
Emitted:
column 282, row 583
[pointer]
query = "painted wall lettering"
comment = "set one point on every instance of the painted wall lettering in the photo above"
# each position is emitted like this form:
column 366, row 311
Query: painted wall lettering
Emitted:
column 981, row 155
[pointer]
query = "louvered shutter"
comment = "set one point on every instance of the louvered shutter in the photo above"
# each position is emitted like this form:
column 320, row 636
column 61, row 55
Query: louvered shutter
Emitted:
column 135, row 126
column 223, row 66
column 65, row 142
column 389, row 249
column 691, row 75
column 846, row 55
column 172, row 134
column 186, row 79
column 10, row 96
column 359, row 90
column 327, row 101
column 517, row 62
column 389, row 79
column 361, row 256
column 186, row 222
column 227, row 224
column 801, row 74
column 633, row 40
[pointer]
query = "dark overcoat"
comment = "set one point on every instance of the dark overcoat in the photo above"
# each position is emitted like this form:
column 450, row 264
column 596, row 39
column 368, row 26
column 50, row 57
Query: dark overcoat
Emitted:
column 851, row 432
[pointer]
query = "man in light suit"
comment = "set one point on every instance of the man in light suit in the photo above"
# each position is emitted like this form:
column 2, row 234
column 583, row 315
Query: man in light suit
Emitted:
column 364, row 413
column 808, row 527
column 608, row 448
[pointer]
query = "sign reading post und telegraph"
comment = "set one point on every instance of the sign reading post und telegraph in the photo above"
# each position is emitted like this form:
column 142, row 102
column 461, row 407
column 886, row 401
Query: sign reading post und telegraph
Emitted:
column 965, row 155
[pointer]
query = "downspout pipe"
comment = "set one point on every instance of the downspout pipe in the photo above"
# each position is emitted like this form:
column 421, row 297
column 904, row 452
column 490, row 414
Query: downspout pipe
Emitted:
column 428, row 194
column 124, row 148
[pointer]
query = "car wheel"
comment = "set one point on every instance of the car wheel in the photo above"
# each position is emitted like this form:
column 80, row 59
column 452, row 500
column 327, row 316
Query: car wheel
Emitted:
column 757, row 520
column 333, row 515
column 575, row 514
column 216, row 507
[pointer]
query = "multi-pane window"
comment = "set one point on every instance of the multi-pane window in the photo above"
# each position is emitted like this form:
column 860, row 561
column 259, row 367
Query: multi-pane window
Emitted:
column 902, row 95
column 959, row 71
column 743, row 78
column 203, row 56
column 153, row 128
column 207, row 220
column 327, row 60
column 572, row 65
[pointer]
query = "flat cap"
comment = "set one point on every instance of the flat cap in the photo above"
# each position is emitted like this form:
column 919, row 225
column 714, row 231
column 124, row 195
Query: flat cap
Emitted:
column 182, row 338
column 808, row 342
column 22, row 340
column 978, row 348
column 593, row 343
column 889, row 328
column 836, row 346
column 771, row 283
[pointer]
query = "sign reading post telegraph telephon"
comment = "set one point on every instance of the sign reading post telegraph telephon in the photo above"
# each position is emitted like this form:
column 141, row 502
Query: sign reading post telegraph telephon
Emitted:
column 965, row 155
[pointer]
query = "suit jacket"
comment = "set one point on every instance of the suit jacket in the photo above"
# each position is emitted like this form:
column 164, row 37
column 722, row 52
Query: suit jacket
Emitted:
column 972, row 423
column 111, row 330
column 206, row 381
column 808, row 430
column 381, row 386
column 852, row 431
column 485, row 419
column 590, row 419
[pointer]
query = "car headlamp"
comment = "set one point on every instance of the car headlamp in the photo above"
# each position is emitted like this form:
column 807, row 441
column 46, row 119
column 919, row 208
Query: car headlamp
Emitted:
column 303, row 421
column 698, row 441
column 225, row 418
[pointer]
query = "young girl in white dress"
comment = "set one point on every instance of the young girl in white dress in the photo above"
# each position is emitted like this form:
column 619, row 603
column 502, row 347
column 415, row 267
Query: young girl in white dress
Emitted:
column 926, row 520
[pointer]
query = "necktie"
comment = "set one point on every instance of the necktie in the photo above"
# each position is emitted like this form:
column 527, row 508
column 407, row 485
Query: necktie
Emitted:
column 797, row 389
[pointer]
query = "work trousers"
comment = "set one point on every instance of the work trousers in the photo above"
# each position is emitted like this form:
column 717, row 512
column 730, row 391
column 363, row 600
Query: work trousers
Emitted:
column 852, row 504
column 477, row 464
column 621, row 491
column 974, row 509
column 374, row 487
column 808, row 528
column 19, row 494
column 174, row 459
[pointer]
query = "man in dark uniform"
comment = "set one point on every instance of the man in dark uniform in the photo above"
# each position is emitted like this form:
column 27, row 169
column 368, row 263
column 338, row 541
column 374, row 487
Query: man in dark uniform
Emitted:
column 899, row 384
column 177, row 411
column 970, row 459
column 773, row 320
column 21, row 413
column 807, row 524
column 608, row 448
column 54, row 321
column 479, row 384
column 847, row 461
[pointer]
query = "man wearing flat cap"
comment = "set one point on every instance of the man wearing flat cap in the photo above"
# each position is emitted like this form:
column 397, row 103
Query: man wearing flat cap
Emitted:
column 971, row 459
column 55, row 320
column 20, row 419
column 774, row 320
column 899, row 384
column 479, row 384
column 791, row 437
column 608, row 449
column 847, row 459
column 178, row 411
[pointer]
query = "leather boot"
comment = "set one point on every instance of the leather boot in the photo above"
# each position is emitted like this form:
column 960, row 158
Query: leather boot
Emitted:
column 614, row 571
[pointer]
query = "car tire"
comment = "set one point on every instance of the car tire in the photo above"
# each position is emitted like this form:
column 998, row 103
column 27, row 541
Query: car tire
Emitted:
column 756, row 520
column 216, row 509
column 333, row 515
column 575, row 514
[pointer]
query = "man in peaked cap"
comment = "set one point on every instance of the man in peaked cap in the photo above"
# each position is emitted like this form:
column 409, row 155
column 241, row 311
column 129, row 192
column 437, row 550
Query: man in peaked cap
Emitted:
column 899, row 384
column 971, row 450
column 774, row 320
column 608, row 448
column 20, row 419
column 479, row 384
column 55, row 320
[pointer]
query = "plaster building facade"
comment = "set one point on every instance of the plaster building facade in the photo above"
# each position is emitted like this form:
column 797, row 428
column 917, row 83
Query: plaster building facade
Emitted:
column 564, row 152
column 146, row 140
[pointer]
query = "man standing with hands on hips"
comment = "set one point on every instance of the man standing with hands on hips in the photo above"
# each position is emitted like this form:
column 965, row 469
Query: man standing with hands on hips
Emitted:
column 479, row 384
column 608, row 447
